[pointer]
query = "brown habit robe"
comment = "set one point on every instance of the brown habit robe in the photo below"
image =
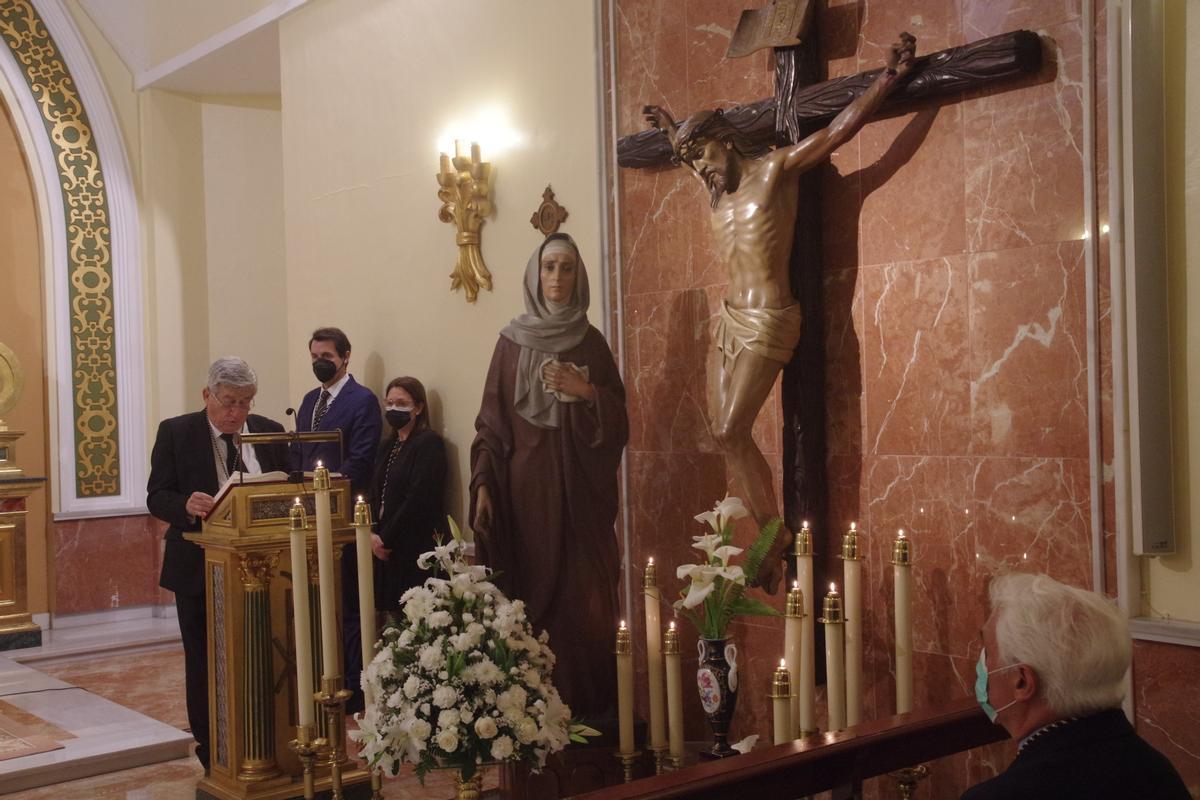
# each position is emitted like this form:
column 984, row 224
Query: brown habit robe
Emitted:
column 554, row 494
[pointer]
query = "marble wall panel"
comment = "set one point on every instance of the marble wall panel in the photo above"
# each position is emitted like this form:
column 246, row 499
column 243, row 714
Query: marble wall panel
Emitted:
column 87, row 553
column 916, row 357
column 1023, row 153
column 1167, row 704
column 1028, row 356
column 936, row 24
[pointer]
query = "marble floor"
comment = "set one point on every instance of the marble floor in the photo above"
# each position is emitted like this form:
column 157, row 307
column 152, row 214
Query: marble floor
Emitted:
column 158, row 694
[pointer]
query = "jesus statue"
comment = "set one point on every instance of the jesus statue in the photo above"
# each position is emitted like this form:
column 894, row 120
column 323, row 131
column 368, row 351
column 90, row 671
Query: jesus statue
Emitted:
column 753, row 193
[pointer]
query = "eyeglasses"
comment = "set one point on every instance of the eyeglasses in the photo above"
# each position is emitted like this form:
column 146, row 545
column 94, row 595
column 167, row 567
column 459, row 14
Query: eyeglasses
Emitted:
column 237, row 405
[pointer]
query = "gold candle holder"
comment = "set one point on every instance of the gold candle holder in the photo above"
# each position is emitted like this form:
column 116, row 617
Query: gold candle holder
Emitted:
column 297, row 518
column 802, row 541
column 901, row 550
column 671, row 641
column 332, row 698
column 781, row 682
column 832, row 608
column 650, row 577
column 624, row 640
column 362, row 513
column 794, row 606
column 850, row 551
column 307, row 748
column 908, row 778
column 627, row 762
column 321, row 478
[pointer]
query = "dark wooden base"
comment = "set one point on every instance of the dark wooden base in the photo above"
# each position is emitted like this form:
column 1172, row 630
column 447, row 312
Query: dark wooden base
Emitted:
column 19, row 640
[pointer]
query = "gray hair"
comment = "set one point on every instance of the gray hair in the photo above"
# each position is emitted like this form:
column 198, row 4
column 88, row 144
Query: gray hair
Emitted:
column 1076, row 641
column 232, row 372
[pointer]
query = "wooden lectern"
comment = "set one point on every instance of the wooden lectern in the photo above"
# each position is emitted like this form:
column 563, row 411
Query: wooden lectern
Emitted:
column 252, row 702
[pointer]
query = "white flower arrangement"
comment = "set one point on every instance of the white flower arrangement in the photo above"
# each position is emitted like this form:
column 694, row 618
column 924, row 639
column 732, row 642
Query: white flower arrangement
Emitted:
column 716, row 591
column 464, row 681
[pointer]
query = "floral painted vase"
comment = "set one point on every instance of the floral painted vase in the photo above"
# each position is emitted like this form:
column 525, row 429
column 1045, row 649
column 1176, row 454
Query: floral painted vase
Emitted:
column 717, row 680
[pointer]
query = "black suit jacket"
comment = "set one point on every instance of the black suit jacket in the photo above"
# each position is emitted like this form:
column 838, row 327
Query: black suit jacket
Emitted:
column 1099, row 757
column 182, row 462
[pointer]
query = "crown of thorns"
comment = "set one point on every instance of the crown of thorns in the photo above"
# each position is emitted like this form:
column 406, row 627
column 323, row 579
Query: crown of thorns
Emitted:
column 704, row 126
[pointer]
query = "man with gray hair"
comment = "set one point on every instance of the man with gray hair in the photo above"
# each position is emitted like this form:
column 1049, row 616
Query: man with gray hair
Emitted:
column 193, row 456
column 1052, row 673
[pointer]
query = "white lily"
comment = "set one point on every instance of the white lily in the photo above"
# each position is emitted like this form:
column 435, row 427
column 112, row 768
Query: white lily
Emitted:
column 723, row 554
column 702, row 577
column 708, row 543
column 725, row 510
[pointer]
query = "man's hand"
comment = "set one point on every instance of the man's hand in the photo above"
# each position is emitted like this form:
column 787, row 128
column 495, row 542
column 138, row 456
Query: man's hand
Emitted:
column 483, row 510
column 660, row 118
column 902, row 54
column 378, row 549
column 198, row 505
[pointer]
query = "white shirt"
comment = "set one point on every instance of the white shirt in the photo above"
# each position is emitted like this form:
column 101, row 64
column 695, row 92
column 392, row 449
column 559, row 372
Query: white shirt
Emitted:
column 333, row 393
column 249, row 459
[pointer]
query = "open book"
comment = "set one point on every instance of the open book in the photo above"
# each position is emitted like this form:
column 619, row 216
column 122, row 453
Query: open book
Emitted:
column 238, row 478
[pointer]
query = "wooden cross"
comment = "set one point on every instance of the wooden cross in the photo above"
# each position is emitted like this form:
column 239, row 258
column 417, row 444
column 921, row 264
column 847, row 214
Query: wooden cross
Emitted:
column 799, row 107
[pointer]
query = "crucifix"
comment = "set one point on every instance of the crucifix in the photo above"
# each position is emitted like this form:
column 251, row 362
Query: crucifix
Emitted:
column 755, row 161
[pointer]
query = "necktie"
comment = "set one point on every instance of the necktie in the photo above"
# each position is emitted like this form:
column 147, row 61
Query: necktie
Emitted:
column 322, row 407
column 231, row 453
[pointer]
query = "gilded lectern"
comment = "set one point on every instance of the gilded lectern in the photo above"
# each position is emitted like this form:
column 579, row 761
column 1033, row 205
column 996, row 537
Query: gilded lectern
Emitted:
column 252, row 685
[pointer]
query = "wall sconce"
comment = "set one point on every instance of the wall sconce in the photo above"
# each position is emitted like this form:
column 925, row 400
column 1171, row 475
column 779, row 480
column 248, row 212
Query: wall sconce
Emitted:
column 466, row 188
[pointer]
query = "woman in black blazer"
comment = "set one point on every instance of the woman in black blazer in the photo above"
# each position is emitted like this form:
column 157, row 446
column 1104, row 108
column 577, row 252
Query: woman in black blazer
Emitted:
column 407, row 492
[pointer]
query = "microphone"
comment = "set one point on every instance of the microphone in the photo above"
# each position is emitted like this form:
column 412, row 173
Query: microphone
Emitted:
column 295, row 476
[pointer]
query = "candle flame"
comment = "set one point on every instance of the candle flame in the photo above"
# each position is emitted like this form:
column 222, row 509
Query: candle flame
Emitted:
column 795, row 584
column 297, row 501
column 804, row 524
column 783, row 663
column 319, row 463
column 832, row 587
column 650, row 562
column 622, row 624
column 672, row 624
column 853, row 526
column 900, row 533
column 360, row 499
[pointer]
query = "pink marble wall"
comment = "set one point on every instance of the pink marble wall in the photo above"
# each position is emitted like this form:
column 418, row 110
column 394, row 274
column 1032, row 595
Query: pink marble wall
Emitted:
column 107, row 563
column 956, row 334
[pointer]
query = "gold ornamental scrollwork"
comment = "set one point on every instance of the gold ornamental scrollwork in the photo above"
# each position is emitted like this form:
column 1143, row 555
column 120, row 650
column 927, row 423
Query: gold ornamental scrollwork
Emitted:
column 89, row 246
column 257, row 569
column 465, row 191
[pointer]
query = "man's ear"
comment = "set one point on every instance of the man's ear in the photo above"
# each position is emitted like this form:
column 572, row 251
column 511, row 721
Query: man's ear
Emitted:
column 1027, row 683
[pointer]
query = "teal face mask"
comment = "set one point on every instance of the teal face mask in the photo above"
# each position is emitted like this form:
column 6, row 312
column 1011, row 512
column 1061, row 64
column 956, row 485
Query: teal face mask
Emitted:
column 981, row 686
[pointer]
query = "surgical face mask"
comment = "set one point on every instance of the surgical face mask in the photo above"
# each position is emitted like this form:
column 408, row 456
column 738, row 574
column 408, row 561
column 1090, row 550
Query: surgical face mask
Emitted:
column 398, row 417
column 324, row 370
column 981, row 686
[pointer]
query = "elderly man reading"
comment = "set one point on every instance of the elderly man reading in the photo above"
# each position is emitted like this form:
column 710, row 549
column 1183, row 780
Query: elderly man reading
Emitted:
column 1052, row 672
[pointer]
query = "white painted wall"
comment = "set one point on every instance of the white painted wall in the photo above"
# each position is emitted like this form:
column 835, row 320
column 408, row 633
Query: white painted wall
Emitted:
column 369, row 88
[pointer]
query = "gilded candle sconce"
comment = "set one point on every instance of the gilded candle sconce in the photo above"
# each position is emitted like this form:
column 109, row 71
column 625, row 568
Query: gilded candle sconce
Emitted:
column 466, row 189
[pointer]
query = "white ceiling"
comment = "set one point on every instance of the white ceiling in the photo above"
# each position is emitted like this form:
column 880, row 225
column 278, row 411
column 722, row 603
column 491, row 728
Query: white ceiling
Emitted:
column 217, row 47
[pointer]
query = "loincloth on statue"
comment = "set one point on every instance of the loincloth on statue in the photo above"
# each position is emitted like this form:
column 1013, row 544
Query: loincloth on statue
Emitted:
column 768, row 332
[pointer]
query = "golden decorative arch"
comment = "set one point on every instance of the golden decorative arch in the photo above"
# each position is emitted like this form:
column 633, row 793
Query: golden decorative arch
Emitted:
column 89, row 246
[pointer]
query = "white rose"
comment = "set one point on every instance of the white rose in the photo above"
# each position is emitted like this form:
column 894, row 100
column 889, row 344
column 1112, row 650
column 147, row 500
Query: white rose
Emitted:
column 420, row 729
column 502, row 748
column 485, row 727
column 449, row 718
column 447, row 740
column 444, row 696
column 526, row 730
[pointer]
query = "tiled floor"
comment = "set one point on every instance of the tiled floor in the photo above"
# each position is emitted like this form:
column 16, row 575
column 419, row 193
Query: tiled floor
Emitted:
column 152, row 684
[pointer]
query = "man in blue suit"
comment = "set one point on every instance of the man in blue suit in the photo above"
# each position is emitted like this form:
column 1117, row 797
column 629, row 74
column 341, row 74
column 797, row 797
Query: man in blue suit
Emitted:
column 340, row 402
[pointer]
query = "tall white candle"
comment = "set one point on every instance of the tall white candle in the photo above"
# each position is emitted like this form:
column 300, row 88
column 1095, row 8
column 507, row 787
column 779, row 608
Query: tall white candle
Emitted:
column 852, row 567
column 330, row 640
column 835, row 667
column 366, row 588
column 807, row 688
column 624, row 690
column 781, row 704
column 902, row 574
column 792, row 631
column 654, row 661
column 674, row 693
column 302, row 622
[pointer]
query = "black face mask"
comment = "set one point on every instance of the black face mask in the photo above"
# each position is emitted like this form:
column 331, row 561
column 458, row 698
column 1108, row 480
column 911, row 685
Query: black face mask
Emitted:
column 398, row 418
column 324, row 370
